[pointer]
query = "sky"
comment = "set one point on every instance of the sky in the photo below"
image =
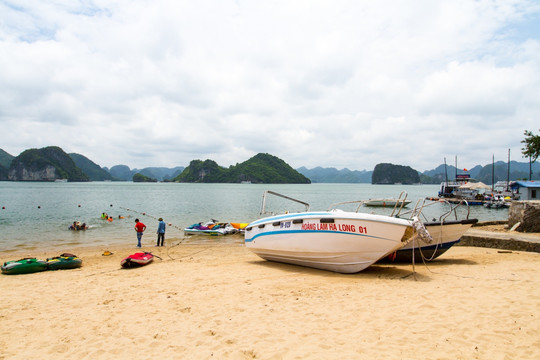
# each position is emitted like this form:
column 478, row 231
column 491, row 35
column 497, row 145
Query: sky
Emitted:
column 343, row 84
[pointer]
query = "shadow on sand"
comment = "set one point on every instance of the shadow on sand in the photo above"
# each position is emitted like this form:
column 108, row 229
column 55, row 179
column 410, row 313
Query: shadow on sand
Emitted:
column 393, row 271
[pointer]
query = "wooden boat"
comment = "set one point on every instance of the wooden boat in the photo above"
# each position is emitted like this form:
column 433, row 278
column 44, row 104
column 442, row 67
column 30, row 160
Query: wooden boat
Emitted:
column 137, row 260
column 335, row 240
column 63, row 262
column 24, row 266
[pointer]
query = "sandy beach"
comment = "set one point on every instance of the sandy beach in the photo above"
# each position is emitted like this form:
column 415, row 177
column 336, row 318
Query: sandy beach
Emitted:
column 220, row 301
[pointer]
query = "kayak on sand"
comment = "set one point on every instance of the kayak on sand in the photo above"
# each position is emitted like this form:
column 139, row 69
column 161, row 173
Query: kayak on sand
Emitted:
column 24, row 266
column 63, row 262
column 137, row 260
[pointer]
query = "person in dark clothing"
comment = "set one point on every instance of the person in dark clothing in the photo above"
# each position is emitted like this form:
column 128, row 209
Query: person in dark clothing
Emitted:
column 161, row 232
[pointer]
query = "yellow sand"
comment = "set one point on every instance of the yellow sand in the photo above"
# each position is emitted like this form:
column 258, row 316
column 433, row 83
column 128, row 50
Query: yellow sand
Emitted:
column 223, row 302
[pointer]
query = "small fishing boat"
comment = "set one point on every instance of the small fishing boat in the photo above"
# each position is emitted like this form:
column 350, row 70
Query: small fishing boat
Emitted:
column 396, row 204
column 390, row 202
column 64, row 261
column 137, row 260
column 335, row 240
column 24, row 266
column 498, row 201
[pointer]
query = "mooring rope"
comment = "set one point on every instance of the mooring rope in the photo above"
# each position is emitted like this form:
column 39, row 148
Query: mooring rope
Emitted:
column 150, row 216
column 144, row 213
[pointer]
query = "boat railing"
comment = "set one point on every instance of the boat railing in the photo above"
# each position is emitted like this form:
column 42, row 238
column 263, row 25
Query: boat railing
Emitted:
column 421, row 204
column 398, row 206
column 270, row 192
column 416, row 212
column 399, row 201
column 359, row 202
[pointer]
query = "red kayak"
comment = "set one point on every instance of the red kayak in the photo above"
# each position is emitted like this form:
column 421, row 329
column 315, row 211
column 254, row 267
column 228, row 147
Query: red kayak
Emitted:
column 137, row 260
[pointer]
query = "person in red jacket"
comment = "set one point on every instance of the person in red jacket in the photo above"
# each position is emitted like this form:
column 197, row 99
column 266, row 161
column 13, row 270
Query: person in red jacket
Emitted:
column 139, row 228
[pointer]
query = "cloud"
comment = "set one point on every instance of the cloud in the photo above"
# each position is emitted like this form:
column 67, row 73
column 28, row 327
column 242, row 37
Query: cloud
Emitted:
column 319, row 83
column 476, row 88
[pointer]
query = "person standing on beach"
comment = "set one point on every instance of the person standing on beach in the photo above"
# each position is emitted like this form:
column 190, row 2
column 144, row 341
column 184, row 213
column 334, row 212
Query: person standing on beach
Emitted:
column 139, row 228
column 161, row 232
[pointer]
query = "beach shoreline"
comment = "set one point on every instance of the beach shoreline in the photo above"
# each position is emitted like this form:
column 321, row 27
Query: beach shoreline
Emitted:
column 215, row 300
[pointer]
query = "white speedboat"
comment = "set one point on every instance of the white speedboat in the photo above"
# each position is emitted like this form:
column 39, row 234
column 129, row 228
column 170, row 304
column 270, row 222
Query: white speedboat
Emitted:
column 340, row 241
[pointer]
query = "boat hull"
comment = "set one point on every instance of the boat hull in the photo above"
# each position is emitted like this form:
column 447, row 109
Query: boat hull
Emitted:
column 338, row 241
column 210, row 232
column 445, row 235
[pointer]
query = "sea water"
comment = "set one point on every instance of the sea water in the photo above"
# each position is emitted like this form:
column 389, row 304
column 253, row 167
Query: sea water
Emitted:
column 38, row 214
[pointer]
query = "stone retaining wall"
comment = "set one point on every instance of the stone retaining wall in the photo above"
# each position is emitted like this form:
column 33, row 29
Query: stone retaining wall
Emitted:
column 527, row 214
column 495, row 243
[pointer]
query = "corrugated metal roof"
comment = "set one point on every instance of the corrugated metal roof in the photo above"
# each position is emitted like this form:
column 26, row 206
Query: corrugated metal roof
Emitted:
column 527, row 184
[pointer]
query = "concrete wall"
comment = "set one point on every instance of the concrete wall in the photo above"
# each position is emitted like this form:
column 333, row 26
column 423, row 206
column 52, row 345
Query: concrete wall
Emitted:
column 529, row 193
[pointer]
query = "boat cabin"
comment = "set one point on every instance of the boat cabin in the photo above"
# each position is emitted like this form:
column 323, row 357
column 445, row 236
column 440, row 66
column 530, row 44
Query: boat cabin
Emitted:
column 455, row 189
column 527, row 190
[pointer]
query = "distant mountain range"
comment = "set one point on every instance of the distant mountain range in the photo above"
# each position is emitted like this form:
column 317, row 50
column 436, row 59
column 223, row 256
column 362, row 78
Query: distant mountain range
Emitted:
column 333, row 175
column 52, row 163
column 499, row 171
column 124, row 173
column 52, row 157
column 518, row 170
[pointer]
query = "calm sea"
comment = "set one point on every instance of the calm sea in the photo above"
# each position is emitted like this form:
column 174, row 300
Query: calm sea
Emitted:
column 39, row 214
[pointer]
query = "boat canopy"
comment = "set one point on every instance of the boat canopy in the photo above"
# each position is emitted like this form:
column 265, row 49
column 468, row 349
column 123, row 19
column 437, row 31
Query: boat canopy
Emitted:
column 475, row 186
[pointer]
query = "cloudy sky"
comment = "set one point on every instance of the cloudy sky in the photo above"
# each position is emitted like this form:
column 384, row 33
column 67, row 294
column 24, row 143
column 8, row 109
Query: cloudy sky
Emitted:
column 317, row 83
